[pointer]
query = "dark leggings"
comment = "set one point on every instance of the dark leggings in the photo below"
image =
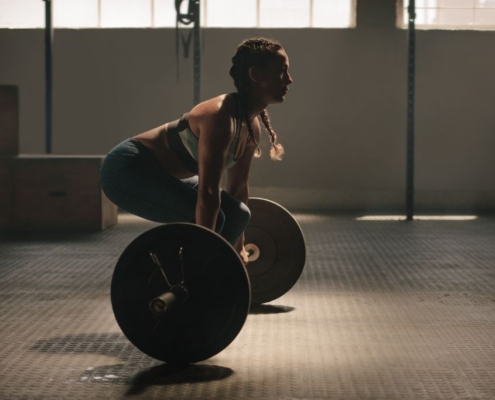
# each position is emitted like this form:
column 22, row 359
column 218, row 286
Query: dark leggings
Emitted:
column 134, row 180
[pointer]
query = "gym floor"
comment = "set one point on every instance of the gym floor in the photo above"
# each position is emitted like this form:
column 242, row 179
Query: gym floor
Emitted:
column 383, row 310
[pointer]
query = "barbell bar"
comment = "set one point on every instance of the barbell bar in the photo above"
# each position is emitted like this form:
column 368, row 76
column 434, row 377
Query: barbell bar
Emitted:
column 181, row 293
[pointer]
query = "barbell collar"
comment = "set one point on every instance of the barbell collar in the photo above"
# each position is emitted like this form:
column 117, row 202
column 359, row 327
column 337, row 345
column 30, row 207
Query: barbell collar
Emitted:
column 176, row 295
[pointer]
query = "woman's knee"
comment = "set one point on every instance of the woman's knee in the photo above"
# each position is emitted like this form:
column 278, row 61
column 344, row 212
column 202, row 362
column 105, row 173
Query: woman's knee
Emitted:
column 244, row 215
column 220, row 221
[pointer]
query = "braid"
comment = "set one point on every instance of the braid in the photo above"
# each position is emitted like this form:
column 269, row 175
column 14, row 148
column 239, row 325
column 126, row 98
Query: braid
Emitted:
column 249, row 124
column 277, row 150
column 255, row 52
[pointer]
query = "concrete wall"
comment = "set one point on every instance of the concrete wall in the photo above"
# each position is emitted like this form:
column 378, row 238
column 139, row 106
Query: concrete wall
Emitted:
column 343, row 124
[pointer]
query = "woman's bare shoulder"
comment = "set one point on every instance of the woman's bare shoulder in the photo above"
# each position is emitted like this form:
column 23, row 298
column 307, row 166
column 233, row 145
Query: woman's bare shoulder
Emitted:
column 223, row 104
column 217, row 110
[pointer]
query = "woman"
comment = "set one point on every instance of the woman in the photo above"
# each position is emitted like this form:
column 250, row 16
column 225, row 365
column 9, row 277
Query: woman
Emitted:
column 173, row 173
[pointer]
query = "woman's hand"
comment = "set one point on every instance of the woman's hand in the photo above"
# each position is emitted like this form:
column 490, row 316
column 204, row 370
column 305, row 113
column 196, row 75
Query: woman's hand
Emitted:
column 244, row 256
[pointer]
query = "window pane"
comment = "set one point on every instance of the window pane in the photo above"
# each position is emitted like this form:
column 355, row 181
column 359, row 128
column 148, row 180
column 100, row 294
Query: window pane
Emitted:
column 456, row 3
column 161, row 13
column 424, row 3
column 424, row 16
column 485, row 3
column 458, row 14
column 485, row 17
column 455, row 17
column 22, row 14
column 431, row 16
column 284, row 13
column 228, row 13
column 125, row 13
column 164, row 13
column 75, row 13
column 332, row 14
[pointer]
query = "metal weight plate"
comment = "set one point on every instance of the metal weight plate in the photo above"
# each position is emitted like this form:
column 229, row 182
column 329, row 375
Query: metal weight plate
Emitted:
column 277, row 250
column 218, row 292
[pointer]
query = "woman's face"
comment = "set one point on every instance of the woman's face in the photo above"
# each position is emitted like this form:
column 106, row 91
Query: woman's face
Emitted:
column 274, row 81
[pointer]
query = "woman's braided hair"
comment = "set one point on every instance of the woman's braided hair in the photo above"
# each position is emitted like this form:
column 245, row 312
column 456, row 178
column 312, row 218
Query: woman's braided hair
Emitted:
column 255, row 52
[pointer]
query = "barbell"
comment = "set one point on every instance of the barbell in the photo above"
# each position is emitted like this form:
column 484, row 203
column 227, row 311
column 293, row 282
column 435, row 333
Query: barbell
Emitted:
column 181, row 294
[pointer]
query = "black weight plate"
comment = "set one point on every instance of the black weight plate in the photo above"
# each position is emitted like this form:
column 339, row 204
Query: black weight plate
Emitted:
column 282, row 250
column 214, row 275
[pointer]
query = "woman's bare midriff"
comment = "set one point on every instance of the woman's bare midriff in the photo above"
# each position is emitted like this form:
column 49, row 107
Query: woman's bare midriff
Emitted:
column 156, row 140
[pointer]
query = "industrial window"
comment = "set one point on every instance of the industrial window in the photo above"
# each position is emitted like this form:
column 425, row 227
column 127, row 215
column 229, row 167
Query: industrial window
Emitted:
column 450, row 14
column 161, row 13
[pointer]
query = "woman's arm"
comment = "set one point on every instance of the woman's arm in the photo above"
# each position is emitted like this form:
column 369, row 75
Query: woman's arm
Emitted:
column 238, row 178
column 215, row 130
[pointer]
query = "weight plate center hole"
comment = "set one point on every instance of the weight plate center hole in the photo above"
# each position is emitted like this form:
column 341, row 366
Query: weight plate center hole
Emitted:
column 253, row 251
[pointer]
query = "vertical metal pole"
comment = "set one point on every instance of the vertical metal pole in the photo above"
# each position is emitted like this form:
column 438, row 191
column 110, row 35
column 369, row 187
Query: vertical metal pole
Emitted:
column 48, row 74
column 197, row 51
column 410, row 112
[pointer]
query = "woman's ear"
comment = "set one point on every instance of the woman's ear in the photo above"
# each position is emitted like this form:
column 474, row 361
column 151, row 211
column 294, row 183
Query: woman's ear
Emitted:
column 255, row 74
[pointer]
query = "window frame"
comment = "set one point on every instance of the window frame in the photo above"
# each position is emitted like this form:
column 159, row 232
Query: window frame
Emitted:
column 152, row 25
column 401, row 9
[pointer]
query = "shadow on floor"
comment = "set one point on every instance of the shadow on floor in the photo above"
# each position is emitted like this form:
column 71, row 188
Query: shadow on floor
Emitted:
column 269, row 309
column 139, row 372
column 167, row 374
